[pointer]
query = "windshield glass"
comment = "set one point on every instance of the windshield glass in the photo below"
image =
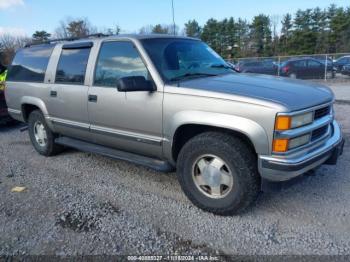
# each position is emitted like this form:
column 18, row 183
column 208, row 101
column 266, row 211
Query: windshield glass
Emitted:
column 178, row 59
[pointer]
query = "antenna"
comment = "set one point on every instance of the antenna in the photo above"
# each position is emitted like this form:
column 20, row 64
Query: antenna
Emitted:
column 172, row 7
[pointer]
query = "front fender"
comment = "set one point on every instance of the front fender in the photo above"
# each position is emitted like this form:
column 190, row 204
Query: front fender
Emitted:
column 251, row 129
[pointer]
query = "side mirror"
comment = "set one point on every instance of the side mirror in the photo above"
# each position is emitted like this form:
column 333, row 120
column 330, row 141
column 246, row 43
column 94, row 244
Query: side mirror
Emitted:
column 135, row 83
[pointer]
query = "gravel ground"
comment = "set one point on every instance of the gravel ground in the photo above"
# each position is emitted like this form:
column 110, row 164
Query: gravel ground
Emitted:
column 79, row 203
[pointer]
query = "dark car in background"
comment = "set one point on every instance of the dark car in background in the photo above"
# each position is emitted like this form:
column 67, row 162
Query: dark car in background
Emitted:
column 346, row 70
column 340, row 62
column 267, row 67
column 306, row 68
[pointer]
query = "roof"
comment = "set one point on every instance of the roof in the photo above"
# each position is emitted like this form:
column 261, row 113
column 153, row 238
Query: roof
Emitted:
column 150, row 36
column 102, row 36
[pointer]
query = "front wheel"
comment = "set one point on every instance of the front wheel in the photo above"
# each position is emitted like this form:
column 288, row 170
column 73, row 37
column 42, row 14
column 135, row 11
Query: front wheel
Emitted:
column 42, row 138
column 218, row 173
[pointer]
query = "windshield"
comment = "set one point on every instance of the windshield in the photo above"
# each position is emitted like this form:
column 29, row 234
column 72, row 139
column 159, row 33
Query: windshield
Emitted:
column 178, row 59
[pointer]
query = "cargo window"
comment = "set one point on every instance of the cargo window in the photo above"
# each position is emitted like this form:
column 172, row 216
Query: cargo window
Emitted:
column 71, row 67
column 29, row 64
column 116, row 60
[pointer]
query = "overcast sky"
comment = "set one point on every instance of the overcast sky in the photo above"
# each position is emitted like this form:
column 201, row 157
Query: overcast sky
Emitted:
column 26, row 16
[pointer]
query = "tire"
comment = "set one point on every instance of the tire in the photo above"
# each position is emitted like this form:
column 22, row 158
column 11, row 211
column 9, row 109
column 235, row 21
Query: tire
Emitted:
column 329, row 75
column 293, row 76
column 240, row 162
column 48, row 147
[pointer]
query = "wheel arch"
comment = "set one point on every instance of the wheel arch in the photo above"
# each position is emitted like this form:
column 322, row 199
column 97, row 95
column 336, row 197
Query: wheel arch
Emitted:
column 29, row 104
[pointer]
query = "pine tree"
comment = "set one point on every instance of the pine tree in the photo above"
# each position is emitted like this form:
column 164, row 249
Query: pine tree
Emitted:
column 192, row 29
column 41, row 36
column 261, row 35
column 159, row 29
column 210, row 34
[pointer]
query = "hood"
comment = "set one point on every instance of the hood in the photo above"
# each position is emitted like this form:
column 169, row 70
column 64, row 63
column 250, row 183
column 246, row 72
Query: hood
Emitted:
column 293, row 94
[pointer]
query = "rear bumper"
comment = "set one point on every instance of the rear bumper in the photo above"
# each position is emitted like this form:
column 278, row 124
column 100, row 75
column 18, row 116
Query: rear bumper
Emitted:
column 283, row 169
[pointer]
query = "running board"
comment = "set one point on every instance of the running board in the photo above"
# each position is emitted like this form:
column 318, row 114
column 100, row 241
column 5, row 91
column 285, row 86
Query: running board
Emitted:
column 156, row 164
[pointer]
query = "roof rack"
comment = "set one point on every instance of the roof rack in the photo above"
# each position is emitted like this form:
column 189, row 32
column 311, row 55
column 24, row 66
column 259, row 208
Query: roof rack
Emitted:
column 98, row 35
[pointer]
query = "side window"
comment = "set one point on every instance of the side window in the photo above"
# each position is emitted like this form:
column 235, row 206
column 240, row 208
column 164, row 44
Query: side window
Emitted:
column 314, row 64
column 300, row 64
column 71, row 67
column 116, row 60
column 29, row 64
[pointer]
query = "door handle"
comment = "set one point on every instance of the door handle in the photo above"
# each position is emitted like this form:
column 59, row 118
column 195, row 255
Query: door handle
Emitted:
column 53, row 93
column 92, row 98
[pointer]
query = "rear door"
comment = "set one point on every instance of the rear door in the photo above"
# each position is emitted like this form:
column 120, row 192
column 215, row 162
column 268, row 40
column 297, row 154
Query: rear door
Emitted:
column 315, row 69
column 300, row 69
column 69, row 93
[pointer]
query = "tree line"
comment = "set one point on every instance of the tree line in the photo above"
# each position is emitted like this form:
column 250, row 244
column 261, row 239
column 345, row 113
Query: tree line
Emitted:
column 309, row 31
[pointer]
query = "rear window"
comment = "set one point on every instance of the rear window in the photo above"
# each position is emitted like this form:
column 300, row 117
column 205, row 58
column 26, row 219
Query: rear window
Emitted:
column 29, row 64
column 301, row 63
column 72, row 66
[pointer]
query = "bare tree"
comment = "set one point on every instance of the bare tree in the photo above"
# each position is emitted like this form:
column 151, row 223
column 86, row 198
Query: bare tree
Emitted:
column 275, row 21
column 146, row 30
column 9, row 45
column 115, row 30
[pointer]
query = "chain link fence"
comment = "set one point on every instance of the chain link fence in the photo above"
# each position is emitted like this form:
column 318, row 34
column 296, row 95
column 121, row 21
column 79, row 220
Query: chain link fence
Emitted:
column 328, row 67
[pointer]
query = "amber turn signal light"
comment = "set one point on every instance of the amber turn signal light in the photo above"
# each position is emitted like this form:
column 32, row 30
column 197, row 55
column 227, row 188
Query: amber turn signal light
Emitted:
column 283, row 122
column 280, row 145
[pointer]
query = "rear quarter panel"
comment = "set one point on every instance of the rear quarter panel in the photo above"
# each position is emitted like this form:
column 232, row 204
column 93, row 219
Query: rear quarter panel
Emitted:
column 20, row 93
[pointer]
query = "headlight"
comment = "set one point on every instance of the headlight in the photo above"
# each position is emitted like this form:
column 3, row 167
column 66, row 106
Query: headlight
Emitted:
column 302, row 120
column 289, row 122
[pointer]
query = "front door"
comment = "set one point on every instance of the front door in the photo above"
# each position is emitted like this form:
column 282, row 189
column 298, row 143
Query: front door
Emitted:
column 131, row 121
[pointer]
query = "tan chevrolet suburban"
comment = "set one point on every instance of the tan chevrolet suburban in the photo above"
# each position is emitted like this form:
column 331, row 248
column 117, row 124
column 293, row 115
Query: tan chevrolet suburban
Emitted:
column 173, row 103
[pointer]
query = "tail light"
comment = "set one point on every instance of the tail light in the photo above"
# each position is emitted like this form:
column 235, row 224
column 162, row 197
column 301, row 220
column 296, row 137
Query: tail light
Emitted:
column 285, row 69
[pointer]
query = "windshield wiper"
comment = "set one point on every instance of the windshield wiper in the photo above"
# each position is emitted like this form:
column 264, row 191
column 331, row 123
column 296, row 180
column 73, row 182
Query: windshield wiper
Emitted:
column 191, row 75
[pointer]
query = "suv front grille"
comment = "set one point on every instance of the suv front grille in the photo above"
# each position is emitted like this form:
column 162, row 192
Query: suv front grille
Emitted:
column 321, row 112
column 318, row 133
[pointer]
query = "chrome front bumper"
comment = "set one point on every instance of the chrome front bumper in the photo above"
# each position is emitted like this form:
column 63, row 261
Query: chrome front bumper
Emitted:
column 276, row 168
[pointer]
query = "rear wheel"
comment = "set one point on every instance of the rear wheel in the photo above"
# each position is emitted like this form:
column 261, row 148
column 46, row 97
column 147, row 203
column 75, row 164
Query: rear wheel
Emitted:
column 42, row 138
column 330, row 74
column 218, row 173
column 293, row 76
